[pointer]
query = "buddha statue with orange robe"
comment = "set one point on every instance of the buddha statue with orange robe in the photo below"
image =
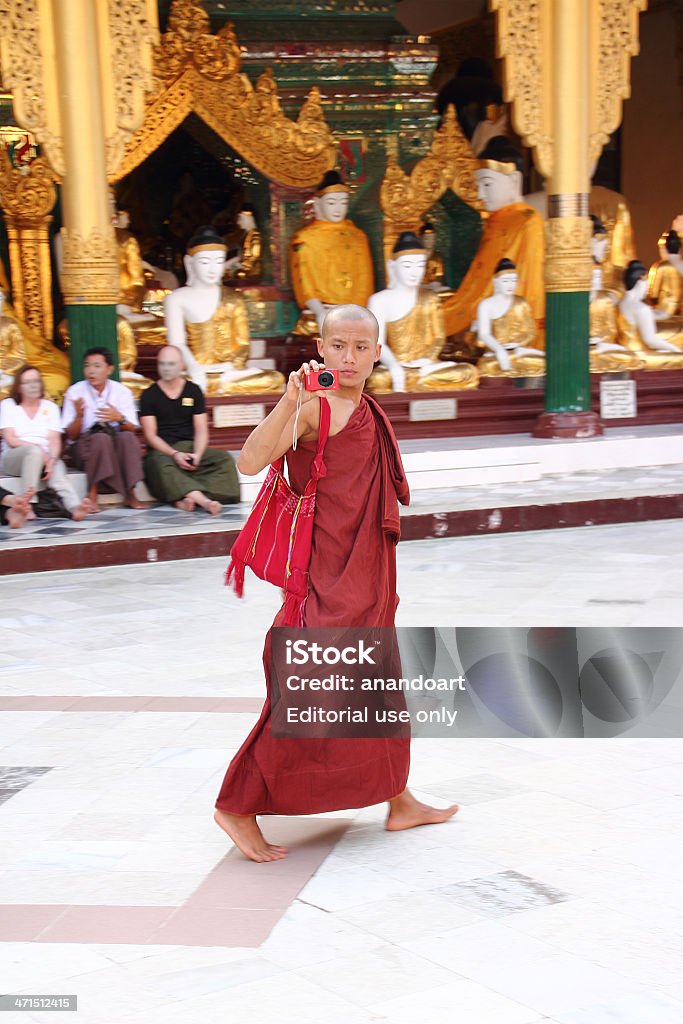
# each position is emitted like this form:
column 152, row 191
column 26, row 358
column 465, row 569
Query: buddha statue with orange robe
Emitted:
column 513, row 230
column 329, row 259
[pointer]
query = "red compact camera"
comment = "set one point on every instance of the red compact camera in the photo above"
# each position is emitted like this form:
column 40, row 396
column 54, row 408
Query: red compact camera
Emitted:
column 322, row 380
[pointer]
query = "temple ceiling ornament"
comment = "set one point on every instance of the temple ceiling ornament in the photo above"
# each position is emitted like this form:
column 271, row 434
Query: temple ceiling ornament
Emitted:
column 199, row 72
column 523, row 32
column 450, row 164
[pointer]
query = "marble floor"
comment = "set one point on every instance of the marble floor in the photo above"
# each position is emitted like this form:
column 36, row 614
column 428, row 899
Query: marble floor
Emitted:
column 554, row 895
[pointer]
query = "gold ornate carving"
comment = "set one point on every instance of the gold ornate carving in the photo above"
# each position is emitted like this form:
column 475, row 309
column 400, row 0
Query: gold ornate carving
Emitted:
column 91, row 268
column 27, row 199
column 617, row 42
column 450, row 164
column 522, row 28
column 199, row 72
column 127, row 47
column 126, row 30
column 568, row 261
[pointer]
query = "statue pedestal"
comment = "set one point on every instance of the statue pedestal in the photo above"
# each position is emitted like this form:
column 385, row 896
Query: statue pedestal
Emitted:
column 568, row 424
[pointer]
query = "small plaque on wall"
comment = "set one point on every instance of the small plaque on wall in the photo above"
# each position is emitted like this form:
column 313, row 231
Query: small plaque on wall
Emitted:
column 238, row 415
column 432, row 409
column 618, row 400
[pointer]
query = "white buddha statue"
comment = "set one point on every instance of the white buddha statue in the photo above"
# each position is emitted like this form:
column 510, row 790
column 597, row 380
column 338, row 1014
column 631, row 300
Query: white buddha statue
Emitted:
column 661, row 348
column 411, row 330
column 505, row 325
column 605, row 352
column 208, row 323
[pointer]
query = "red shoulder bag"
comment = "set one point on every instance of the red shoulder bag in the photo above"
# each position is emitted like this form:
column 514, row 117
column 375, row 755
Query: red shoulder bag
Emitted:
column 277, row 538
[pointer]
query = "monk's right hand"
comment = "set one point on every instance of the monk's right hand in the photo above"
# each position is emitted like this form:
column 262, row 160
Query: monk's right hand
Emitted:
column 297, row 380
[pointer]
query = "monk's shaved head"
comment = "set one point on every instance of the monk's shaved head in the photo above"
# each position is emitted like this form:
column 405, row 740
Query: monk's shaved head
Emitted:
column 349, row 314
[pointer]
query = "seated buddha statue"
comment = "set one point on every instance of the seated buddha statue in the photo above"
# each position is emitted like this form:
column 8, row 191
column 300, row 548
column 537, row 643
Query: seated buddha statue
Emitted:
column 506, row 327
column 20, row 344
column 209, row 324
column 411, row 329
column 660, row 347
column 664, row 282
column 434, row 271
column 329, row 259
column 250, row 262
column 513, row 230
column 605, row 352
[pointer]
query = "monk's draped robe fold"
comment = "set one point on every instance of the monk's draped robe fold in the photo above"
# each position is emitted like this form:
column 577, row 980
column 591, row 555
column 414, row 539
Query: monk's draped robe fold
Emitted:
column 352, row 582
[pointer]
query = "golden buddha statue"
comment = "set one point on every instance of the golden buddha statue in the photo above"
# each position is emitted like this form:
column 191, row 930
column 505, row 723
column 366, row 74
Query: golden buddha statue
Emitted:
column 605, row 353
column 128, row 357
column 20, row 344
column 250, row 263
column 434, row 271
column 664, row 282
column 131, row 273
column 505, row 326
column 513, row 230
column 660, row 348
column 208, row 323
column 330, row 261
column 411, row 331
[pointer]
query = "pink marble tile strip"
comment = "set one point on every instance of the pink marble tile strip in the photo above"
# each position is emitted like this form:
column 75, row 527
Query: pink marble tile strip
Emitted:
column 223, row 705
column 238, row 904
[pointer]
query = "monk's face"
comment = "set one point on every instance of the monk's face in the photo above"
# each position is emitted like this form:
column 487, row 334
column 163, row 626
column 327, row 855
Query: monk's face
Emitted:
column 351, row 347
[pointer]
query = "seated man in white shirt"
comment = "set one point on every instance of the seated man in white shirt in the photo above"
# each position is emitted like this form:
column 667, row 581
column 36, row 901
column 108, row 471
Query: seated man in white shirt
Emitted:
column 99, row 418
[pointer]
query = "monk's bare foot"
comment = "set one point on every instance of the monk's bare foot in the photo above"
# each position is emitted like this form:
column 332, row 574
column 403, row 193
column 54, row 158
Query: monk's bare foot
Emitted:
column 90, row 506
column 407, row 812
column 247, row 837
column 185, row 505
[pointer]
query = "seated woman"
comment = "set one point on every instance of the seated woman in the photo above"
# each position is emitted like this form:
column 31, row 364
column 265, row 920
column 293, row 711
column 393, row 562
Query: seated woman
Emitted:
column 32, row 442
column 14, row 508
column 660, row 348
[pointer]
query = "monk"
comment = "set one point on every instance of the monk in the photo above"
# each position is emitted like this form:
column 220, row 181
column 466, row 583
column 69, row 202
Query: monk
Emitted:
column 352, row 582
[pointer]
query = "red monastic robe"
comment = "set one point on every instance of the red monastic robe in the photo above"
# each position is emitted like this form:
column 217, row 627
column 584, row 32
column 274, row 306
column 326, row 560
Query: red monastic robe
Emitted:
column 352, row 582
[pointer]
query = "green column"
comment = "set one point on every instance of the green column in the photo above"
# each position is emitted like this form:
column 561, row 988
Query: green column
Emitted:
column 91, row 325
column 567, row 385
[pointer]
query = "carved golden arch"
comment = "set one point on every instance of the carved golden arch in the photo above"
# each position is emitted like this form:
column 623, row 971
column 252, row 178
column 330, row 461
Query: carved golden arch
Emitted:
column 197, row 72
column 450, row 164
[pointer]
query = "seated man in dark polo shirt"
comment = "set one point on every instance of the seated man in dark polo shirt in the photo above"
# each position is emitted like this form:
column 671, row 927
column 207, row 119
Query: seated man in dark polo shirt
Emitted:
column 179, row 468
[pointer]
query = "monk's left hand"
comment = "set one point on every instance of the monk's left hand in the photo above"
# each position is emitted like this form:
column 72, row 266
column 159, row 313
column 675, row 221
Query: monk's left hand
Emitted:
column 109, row 414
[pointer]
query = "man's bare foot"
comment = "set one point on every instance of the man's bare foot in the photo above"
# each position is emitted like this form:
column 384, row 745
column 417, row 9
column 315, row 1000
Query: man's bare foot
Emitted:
column 407, row 812
column 16, row 517
column 214, row 508
column 247, row 837
column 134, row 502
column 185, row 505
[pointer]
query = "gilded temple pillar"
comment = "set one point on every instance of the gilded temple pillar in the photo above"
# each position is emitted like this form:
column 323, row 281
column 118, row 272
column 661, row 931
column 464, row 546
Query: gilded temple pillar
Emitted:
column 568, row 260
column 90, row 273
column 79, row 71
column 27, row 200
column 567, row 71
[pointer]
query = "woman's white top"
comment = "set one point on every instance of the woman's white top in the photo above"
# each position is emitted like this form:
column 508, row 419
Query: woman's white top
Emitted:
column 35, row 429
